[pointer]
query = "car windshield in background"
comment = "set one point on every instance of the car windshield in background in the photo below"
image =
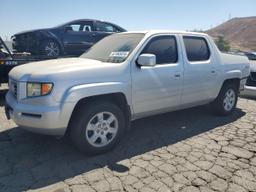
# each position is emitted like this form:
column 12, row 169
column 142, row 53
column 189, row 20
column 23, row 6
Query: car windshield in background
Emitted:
column 114, row 48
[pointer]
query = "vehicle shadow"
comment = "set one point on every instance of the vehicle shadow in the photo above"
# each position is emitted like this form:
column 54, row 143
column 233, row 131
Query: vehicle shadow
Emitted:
column 30, row 161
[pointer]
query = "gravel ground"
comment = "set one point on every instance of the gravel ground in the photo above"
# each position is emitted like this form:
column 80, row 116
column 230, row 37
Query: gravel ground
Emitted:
column 189, row 150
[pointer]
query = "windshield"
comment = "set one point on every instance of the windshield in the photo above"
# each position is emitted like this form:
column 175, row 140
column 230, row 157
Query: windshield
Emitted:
column 114, row 48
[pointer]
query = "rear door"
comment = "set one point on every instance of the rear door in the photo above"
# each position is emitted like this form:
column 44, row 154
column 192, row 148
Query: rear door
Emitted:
column 158, row 88
column 79, row 37
column 200, row 70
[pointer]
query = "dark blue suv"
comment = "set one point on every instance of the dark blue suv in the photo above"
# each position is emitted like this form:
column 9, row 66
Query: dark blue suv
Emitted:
column 71, row 38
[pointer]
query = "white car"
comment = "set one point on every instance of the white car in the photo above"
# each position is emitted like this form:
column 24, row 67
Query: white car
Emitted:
column 250, row 87
column 123, row 77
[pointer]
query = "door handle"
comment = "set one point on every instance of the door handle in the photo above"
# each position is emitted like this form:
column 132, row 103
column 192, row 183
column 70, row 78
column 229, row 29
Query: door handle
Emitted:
column 177, row 75
column 93, row 35
column 213, row 70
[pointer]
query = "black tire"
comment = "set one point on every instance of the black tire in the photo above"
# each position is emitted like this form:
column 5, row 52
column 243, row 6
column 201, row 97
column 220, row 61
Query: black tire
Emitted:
column 50, row 48
column 80, row 122
column 218, row 104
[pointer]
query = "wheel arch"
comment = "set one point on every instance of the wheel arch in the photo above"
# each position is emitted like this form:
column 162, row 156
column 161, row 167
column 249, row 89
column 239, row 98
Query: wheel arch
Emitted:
column 117, row 98
column 235, row 81
column 47, row 35
column 217, row 104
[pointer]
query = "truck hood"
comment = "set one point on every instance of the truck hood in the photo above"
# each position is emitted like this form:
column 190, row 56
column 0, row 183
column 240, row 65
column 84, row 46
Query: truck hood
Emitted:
column 66, row 69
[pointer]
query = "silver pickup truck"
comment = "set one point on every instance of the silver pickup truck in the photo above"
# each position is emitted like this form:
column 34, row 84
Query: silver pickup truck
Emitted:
column 123, row 77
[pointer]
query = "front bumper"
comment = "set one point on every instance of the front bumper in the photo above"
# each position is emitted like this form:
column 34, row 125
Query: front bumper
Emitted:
column 49, row 120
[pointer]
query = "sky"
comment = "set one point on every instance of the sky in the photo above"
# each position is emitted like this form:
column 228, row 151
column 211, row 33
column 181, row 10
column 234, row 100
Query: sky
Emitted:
column 20, row 15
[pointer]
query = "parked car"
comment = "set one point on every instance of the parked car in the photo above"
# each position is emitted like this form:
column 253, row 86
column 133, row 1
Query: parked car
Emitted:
column 71, row 38
column 250, row 88
column 94, row 97
column 250, row 55
column 9, row 60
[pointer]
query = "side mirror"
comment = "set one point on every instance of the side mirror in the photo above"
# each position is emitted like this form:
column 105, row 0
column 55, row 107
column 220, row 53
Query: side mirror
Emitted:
column 68, row 28
column 147, row 60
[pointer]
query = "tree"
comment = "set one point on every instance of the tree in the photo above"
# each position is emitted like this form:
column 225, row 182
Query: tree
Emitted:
column 222, row 44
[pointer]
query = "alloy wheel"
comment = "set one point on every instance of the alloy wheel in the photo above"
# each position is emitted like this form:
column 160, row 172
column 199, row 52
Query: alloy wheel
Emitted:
column 101, row 129
column 229, row 100
column 52, row 49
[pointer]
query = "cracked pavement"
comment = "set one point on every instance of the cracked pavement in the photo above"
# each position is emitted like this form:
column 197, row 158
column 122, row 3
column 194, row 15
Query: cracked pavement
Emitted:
column 190, row 150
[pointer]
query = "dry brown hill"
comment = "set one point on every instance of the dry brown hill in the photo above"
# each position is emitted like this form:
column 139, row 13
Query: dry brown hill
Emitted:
column 240, row 32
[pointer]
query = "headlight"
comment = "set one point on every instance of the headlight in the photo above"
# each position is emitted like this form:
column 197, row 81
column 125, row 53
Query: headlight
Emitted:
column 38, row 89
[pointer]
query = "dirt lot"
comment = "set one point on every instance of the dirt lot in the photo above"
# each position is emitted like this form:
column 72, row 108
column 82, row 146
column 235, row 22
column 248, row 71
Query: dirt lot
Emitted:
column 189, row 150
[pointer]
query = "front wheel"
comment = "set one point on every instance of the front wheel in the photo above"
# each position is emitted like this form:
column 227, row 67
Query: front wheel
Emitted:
column 226, row 101
column 50, row 48
column 97, row 127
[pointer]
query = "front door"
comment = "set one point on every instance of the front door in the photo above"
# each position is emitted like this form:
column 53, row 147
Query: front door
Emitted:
column 158, row 88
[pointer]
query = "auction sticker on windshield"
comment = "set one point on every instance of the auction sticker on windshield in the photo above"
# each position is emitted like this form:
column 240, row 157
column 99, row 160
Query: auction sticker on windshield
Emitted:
column 121, row 54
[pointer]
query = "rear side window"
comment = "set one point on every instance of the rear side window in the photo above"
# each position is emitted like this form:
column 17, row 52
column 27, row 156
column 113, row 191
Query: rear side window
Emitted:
column 80, row 27
column 197, row 48
column 75, row 27
column 105, row 27
column 164, row 47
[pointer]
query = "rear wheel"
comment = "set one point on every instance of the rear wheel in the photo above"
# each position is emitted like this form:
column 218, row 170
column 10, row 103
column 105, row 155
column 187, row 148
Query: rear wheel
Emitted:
column 226, row 101
column 97, row 127
column 50, row 48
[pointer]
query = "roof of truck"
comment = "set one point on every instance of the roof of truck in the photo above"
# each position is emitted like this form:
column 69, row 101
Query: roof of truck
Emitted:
column 152, row 32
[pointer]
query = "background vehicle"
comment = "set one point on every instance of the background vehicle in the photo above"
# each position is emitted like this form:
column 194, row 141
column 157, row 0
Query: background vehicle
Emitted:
column 9, row 60
column 72, row 38
column 93, row 98
column 251, row 55
column 250, row 88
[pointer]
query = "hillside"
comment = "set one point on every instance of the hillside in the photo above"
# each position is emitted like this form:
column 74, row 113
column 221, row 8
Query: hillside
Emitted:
column 240, row 32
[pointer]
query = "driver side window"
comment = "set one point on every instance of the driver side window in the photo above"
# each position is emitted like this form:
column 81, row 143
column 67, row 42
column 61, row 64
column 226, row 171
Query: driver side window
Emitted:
column 75, row 27
column 105, row 27
column 164, row 48
column 81, row 27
